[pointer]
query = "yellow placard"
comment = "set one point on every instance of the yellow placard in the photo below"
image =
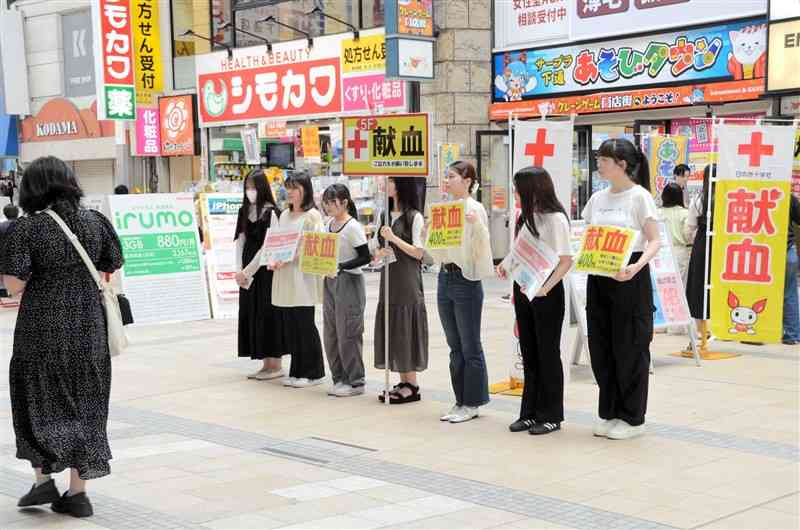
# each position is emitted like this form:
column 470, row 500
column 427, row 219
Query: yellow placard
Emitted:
column 309, row 136
column 605, row 250
column 147, row 50
column 748, row 259
column 367, row 54
column 447, row 226
column 395, row 145
column 320, row 253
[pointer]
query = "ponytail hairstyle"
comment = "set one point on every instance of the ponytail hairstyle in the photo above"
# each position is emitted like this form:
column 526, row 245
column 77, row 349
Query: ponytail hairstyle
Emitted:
column 537, row 194
column 636, row 166
column 708, row 171
column 467, row 171
column 341, row 193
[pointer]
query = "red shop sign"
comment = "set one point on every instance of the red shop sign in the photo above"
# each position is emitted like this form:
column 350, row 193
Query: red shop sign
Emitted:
column 299, row 89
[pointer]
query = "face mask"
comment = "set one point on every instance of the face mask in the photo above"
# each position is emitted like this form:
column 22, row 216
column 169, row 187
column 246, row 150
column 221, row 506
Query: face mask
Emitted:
column 252, row 195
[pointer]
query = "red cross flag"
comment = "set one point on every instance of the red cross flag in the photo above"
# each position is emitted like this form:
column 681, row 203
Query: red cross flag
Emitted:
column 547, row 144
column 751, row 213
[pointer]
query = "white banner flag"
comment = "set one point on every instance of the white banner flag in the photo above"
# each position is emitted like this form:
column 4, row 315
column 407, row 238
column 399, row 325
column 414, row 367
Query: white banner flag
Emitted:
column 762, row 152
column 547, row 144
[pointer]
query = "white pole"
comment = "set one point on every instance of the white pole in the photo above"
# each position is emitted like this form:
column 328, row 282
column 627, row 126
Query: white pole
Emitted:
column 388, row 220
column 711, row 180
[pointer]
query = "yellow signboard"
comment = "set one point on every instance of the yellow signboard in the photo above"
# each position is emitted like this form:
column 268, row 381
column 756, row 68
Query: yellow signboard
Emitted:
column 448, row 153
column 367, row 54
column 309, row 137
column 605, row 250
column 748, row 259
column 147, row 50
column 447, row 226
column 395, row 145
column 320, row 252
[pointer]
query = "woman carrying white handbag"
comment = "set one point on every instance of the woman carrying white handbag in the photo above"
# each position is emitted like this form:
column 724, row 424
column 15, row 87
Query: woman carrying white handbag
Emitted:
column 60, row 373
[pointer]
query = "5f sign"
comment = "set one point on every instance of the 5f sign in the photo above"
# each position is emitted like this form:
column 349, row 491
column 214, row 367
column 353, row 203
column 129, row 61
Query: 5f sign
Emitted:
column 114, row 59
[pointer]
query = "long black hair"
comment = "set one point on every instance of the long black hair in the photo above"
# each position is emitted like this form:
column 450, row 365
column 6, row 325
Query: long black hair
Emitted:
column 342, row 193
column 537, row 194
column 408, row 196
column 707, row 190
column 303, row 181
column 636, row 166
column 48, row 182
column 672, row 195
column 264, row 199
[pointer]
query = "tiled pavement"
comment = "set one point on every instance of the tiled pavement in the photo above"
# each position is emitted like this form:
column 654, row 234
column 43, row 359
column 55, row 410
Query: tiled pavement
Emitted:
column 197, row 446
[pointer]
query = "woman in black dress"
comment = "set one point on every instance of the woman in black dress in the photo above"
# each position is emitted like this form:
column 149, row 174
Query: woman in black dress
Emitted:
column 257, row 319
column 60, row 373
column 698, row 220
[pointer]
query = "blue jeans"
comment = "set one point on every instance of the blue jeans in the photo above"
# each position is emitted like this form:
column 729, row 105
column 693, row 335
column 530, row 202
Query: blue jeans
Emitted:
column 460, row 303
column 791, row 310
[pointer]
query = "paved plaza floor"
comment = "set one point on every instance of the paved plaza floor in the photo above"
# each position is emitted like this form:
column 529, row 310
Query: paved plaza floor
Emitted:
column 196, row 445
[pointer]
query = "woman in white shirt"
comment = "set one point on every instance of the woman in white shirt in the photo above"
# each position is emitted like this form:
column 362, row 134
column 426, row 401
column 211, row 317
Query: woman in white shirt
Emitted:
column 408, row 317
column 296, row 293
column 619, row 310
column 460, row 298
column 258, row 330
column 540, row 320
column 345, row 295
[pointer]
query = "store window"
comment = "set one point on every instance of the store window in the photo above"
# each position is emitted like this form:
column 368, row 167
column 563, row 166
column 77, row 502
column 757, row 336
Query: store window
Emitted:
column 196, row 16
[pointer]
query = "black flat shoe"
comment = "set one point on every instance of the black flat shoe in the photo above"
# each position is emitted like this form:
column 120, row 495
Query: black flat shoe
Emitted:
column 77, row 505
column 520, row 425
column 42, row 494
column 544, row 428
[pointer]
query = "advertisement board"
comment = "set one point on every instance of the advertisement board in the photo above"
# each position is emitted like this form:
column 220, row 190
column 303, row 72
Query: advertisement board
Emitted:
column 114, row 53
column 397, row 144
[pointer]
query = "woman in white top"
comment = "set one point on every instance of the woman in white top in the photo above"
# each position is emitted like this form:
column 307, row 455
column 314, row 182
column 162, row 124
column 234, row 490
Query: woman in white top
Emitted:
column 619, row 310
column 258, row 330
column 540, row 320
column 460, row 298
column 295, row 294
column 408, row 318
column 345, row 295
column 674, row 215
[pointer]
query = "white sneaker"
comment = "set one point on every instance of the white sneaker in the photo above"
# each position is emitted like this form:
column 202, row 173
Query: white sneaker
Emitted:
column 289, row 381
column 334, row 388
column 304, row 382
column 624, row 431
column 348, row 391
column 453, row 412
column 603, row 427
column 268, row 376
column 465, row 414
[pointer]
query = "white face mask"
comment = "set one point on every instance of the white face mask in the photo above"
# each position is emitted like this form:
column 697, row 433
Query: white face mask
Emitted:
column 252, row 195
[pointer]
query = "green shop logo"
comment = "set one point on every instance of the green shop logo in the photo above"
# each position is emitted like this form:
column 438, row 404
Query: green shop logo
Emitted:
column 182, row 218
column 216, row 103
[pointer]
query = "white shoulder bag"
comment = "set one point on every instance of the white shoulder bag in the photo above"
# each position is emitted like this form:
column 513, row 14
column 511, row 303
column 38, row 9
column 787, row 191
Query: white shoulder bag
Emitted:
column 117, row 339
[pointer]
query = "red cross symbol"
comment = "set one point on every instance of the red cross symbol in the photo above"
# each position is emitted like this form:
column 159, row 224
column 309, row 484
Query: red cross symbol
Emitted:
column 540, row 149
column 755, row 149
column 357, row 144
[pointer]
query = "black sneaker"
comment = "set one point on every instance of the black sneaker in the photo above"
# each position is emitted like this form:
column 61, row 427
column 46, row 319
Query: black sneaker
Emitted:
column 520, row 425
column 77, row 505
column 544, row 428
column 41, row 494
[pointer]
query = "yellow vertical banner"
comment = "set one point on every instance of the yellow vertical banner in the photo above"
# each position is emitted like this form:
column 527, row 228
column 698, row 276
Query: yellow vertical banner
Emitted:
column 147, row 50
column 447, row 226
column 309, row 136
column 751, row 219
column 664, row 153
column 320, row 253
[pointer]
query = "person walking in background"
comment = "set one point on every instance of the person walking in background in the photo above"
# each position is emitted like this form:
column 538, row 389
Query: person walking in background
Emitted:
column 682, row 172
column 619, row 310
column 11, row 213
column 60, row 372
column 697, row 223
column 791, row 310
column 540, row 320
column 673, row 213
column 296, row 293
column 258, row 329
column 345, row 295
column 460, row 298
column 402, row 228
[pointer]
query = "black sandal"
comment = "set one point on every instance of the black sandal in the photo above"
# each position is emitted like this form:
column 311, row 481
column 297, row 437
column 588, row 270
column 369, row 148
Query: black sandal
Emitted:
column 395, row 398
column 382, row 395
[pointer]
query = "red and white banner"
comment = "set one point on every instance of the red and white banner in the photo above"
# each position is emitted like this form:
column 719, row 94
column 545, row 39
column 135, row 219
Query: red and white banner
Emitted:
column 546, row 144
column 293, row 81
column 114, row 67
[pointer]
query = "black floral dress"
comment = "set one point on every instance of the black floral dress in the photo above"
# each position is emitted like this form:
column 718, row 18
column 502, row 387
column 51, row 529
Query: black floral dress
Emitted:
column 60, row 373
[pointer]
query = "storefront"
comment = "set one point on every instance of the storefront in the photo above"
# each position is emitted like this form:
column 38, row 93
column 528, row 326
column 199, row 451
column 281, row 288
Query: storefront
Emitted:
column 282, row 110
column 668, row 82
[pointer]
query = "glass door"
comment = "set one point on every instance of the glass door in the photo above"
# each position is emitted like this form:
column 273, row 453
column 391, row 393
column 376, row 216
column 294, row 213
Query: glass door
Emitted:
column 493, row 175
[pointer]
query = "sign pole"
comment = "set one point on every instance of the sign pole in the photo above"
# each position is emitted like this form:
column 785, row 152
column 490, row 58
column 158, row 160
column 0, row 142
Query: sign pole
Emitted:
column 387, row 219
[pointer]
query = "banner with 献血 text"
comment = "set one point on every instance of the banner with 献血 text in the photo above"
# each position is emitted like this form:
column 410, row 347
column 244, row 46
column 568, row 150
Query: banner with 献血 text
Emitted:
column 395, row 145
column 163, row 273
column 447, row 226
column 751, row 218
column 605, row 250
column 320, row 253
column 220, row 212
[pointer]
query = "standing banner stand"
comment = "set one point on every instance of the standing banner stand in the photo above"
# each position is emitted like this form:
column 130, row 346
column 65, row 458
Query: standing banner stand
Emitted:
column 390, row 145
column 163, row 273
column 220, row 213
column 751, row 212
column 548, row 144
